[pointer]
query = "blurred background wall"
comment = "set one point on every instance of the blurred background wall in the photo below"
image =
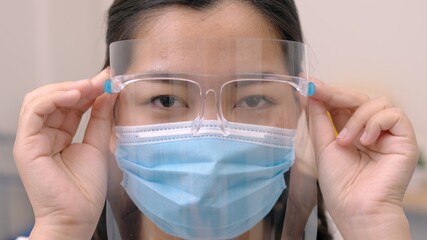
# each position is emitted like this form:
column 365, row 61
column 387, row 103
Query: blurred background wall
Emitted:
column 42, row 41
column 378, row 47
column 375, row 46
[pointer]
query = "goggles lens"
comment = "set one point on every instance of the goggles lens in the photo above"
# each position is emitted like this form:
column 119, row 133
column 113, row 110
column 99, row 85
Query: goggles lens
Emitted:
column 260, row 102
column 251, row 81
column 158, row 101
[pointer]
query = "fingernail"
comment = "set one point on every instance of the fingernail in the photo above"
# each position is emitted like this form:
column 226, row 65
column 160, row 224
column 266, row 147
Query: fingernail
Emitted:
column 343, row 133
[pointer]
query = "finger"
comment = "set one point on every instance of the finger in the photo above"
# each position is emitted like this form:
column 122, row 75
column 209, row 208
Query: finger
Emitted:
column 39, row 104
column 33, row 117
column 98, row 83
column 99, row 128
column 65, row 119
column 68, row 119
column 73, row 118
column 338, row 97
column 29, row 135
column 80, row 85
column 89, row 88
column 358, row 121
column 322, row 129
column 56, row 118
column 340, row 117
column 93, row 89
column 392, row 120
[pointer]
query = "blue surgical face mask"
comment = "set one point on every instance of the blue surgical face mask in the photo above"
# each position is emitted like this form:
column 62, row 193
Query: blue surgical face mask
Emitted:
column 207, row 186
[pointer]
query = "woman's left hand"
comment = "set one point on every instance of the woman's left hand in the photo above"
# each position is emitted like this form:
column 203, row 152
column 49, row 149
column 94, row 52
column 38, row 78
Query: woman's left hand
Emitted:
column 365, row 170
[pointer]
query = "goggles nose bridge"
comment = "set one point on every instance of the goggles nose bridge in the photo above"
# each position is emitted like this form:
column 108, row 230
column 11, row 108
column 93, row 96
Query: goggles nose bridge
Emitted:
column 210, row 110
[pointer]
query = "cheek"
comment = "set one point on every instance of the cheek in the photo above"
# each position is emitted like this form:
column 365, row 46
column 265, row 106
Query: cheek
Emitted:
column 125, row 112
column 280, row 119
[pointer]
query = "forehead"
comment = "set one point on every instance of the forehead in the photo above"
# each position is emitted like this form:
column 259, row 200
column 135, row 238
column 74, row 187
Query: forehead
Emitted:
column 222, row 39
column 231, row 19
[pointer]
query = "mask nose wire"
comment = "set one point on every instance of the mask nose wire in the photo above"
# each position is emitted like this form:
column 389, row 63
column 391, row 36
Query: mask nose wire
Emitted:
column 197, row 123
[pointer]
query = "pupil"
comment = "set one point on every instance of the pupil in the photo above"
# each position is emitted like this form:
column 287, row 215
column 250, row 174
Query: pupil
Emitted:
column 167, row 101
column 253, row 101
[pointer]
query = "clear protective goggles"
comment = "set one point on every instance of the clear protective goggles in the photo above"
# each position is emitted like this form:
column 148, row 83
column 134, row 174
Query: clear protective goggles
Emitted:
column 212, row 140
column 253, row 81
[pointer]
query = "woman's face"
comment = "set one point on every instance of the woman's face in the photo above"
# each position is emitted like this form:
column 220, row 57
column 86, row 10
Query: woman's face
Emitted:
column 231, row 19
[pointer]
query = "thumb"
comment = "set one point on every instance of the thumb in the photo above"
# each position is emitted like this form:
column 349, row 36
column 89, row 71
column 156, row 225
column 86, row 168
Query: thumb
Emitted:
column 322, row 129
column 100, row 124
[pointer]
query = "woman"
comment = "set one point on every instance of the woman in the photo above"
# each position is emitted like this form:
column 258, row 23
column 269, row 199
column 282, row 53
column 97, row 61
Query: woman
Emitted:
column 363, row 173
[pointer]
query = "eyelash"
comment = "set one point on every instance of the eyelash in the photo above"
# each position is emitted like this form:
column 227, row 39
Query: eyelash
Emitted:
column 262, row 98
column 175, row 99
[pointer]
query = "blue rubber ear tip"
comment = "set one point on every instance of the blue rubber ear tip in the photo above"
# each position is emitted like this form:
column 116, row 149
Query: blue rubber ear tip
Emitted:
column 107, row 86
column 311, row 89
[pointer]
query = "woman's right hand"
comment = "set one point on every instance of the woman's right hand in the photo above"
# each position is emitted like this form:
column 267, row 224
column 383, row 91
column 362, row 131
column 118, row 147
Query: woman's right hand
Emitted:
column 66, row 182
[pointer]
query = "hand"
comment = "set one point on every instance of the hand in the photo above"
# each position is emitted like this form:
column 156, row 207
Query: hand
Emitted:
column 364, row 171
column 66, row 183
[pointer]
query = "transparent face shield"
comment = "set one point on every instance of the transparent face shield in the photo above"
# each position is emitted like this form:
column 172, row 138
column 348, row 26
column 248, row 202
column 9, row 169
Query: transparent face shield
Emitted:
column 211, row 140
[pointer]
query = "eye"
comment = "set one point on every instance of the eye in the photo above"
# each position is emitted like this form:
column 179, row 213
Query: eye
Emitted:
column 167, row 101
column 254, row 102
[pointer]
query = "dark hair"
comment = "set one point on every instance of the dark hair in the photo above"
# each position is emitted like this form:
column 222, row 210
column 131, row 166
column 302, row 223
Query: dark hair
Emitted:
column 126, row 16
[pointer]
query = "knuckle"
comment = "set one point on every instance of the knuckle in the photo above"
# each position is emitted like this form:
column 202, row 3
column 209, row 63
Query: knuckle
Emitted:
column 31, row 96
column 28, row 98
column 28, row 106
